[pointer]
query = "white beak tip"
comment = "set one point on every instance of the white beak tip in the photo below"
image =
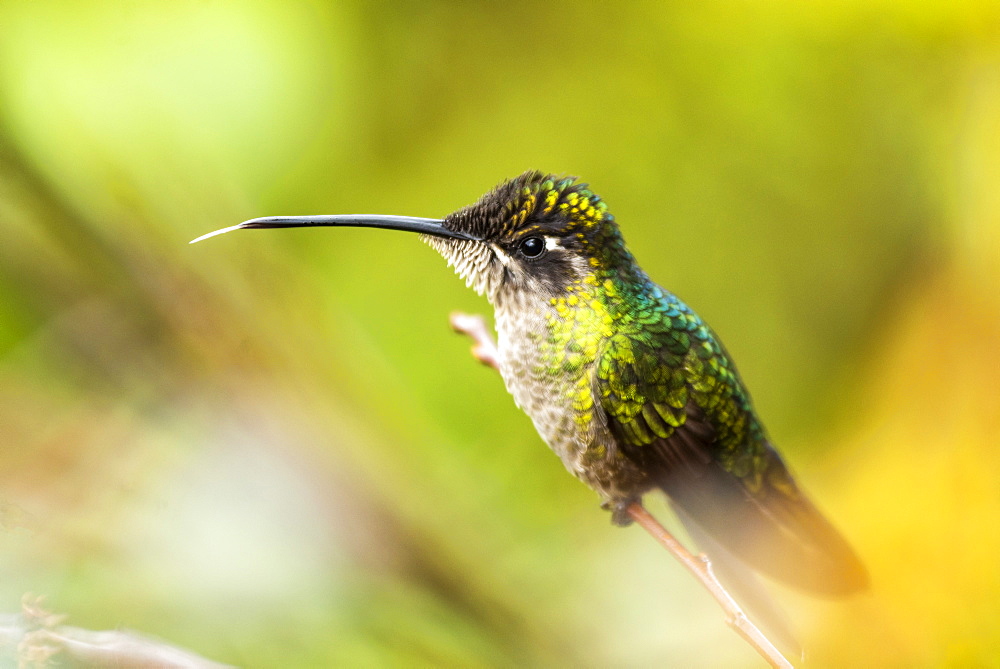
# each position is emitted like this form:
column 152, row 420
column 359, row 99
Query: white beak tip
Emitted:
column 217, row 232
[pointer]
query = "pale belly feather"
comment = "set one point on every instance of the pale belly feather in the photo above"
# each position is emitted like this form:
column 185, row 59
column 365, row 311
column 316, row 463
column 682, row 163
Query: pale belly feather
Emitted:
column 551, row 396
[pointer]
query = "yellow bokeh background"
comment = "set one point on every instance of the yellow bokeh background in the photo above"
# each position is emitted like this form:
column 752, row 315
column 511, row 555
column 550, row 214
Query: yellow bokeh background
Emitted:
column 269, row 448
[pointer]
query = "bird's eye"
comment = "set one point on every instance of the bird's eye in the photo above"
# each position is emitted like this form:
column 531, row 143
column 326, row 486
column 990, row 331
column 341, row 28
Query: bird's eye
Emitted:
column 532, row 247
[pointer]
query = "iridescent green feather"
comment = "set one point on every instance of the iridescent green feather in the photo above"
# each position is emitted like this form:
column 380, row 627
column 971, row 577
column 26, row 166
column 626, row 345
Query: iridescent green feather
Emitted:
column 664, row 362
column 629, row 387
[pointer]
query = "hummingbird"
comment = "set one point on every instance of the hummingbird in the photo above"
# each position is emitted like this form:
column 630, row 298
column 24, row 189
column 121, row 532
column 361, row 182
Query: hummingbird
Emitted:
column 624, row 382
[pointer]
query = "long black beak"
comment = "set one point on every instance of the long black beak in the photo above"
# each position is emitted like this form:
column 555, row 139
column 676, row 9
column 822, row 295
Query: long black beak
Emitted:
column 426, row 226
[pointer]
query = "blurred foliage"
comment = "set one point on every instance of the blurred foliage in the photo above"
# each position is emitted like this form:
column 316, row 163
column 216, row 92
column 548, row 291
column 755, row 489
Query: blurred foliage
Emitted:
column 270, row 449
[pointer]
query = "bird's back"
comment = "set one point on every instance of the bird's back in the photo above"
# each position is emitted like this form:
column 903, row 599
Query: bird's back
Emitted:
column 677, row 407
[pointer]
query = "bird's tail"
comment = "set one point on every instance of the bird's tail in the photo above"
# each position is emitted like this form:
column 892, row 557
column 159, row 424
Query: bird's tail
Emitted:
column 741, row 582
column 773, row 528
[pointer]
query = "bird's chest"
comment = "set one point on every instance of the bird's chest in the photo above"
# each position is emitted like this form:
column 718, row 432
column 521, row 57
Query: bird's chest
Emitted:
column 547, row 357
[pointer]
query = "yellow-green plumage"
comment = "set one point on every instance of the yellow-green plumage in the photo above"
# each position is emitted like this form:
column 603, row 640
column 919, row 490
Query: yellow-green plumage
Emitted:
column 628, row 385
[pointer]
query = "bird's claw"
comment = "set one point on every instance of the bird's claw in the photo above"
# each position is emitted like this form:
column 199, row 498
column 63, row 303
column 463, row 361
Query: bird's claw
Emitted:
column 620, row 515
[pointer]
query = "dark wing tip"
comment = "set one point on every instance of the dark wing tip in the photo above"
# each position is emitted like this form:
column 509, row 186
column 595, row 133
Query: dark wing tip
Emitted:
column 775, row 530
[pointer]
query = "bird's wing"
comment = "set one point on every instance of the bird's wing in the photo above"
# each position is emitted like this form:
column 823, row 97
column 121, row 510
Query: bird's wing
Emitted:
column 677, row 408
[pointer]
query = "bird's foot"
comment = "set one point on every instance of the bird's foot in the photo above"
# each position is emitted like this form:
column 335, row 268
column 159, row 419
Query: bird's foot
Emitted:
column 619, row 511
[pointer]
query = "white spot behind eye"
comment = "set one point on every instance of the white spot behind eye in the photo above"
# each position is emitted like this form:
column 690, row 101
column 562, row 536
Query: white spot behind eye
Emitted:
column 552, row 243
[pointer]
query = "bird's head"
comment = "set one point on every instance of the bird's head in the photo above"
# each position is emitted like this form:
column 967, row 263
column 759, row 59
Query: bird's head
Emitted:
column 534, row 234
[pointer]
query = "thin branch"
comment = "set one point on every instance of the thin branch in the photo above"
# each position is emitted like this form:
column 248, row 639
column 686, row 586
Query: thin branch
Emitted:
column 485, row 351
column 701, row 568
column 483, row 348
column 40, row 640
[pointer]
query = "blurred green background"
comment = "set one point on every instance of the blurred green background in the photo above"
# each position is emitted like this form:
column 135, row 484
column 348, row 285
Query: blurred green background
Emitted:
column 270, row 449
